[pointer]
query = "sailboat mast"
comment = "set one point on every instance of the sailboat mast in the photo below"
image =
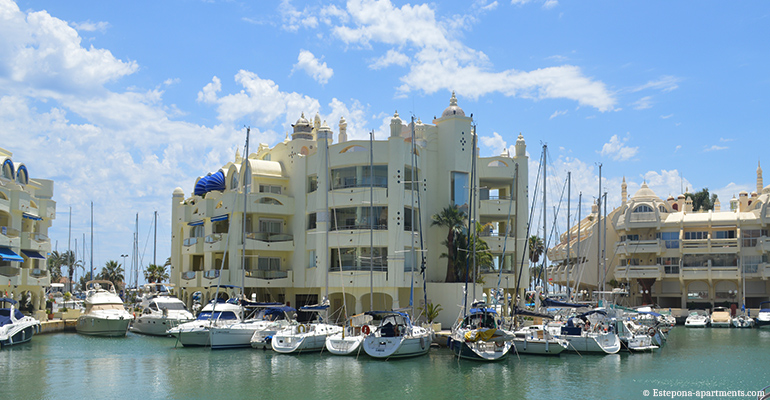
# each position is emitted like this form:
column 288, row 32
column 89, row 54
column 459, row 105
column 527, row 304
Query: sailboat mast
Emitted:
column 569, row 237
column 545, row 209
column 578, row 258
column 243, row 222
column 69, row 242
column 599, row 231
column 136, row 253
column 371, row 221
column 473, row 231
column 155, row 239
column 91, row 277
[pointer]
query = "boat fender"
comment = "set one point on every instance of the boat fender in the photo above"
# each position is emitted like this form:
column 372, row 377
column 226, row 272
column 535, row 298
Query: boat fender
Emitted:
column 366, row 330
column 651, row 331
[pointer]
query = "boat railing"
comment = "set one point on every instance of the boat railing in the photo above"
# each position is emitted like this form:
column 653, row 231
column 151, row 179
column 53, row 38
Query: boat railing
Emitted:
column 764, row 394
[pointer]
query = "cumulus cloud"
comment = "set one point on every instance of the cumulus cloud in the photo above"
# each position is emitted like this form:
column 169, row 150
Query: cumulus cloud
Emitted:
column 307, row 61
column 441, row 62
column 89, row 26
column 43, row 55
column 617, row 150
column 392, row 57
column 663, row 183
column 293, row 19
column 495, row 143
column 643, row 103
column 714, row 148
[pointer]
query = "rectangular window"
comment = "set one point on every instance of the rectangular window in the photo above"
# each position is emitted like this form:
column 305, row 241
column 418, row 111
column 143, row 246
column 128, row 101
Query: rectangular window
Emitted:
column 380, row 176
column 671, row 239
column 271, row 226
column 408, row 218
column 750, row 236
column 312, row 183
column 696, row 235
column 670, row 264
column 269, row 263
column 311, row 221
column 311, row 261
column 275, row 189
column 751, row 264
column 343, row 178
column 358, row 259
column 724, row 234
column 460, row 190
column 410, row 179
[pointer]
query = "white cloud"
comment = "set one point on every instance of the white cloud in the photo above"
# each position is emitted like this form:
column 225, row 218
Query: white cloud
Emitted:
column 89, row 26
column 643, row 103
column 495, row 143
column 723, row 140
column 666, row 116
column 209, row 92
column 664, row 84
column 617, row 150
column 43, row 55
column 392, row 57
column 714, row 148
column 679, row 146
column 557, row 113
column 293, row 19
column 307, row 62
column 664, row 183
column 441, row 62
column 549, row 4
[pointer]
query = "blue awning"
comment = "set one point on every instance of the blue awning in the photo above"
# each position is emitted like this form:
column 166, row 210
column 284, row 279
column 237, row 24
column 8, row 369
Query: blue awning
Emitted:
column 219, row 218
column 30, row 216
column 200, row 186
column 33, row 254
column 216, row 182
column 8, row 255
column 195, row 223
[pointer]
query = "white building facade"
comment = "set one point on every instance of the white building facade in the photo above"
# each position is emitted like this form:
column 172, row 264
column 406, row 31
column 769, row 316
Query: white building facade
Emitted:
column 323, row 214
column 27, row 211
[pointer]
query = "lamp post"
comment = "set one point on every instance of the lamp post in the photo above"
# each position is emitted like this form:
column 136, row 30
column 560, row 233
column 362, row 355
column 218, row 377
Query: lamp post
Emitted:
column 124, row 262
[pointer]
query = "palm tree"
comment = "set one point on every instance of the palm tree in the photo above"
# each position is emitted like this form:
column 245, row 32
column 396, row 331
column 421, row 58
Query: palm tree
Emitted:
column 112, row 272
column 155, row 273
column 452, row 218
column 464, row 258
column 55, row 261
column 536, row 249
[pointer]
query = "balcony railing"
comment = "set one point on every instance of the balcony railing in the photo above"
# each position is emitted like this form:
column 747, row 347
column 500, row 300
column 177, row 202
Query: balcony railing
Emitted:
column 359, row 227
column 211, row 274
column 215, row 237
column 9, row 232
column 190, row 241
column 269, row 236
column 266, row 274
column 380, row 268
column 39, row 237
column 38, row 273
column 187, row 275
column 9, row 271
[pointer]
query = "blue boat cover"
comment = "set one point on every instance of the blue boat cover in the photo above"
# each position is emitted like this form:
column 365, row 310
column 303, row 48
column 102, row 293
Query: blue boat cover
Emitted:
column 483, row 310
column 313, row 308
column 7, row 254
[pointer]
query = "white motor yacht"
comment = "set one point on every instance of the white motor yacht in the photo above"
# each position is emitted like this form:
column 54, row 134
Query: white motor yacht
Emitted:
column 635, row 337
column 105, row 314
column 697, row 319
column 216, row 312
column 159, row 314
column 396, row 337
column 263, row 317
column 305, row 337
column 720, row 318
column 15, row 327
column 763, row 318
column 743, row 321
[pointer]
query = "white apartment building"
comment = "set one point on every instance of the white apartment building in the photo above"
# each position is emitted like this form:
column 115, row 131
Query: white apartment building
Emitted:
column 26, row 212
column 324, row 214
column 669, row 255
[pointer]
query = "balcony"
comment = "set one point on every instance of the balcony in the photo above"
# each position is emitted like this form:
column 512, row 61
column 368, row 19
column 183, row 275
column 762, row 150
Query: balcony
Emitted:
column 765, row 270
column 631, row 247
column 267, row 274
column 643, row 272
column 7, row 270
column 211, row 274
column 38, row 273
column 9, row 237
column 268, row 278
column 496, row 242
column 270, row 241
column 192, row 245
column 725, row 272
column 188, row 275
column 215, row 242
column 692, row 246
column 496, row 207
column 764, row 244
column 35, row 241
column 700, row 272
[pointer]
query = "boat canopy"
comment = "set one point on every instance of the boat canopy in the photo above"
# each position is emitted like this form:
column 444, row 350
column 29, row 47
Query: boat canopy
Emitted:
column 383, row 314
column 8, row 300
column 480, row 310
column 314, row 308
column 528, row 313
column 555, row 303
column 249, row 303
column 653, row 313
column 764, row 306
column 583, row 316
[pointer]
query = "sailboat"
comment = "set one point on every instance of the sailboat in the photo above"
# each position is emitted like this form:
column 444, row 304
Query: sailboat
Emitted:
column 744, row 320
column 476, row 335
column 305, row 337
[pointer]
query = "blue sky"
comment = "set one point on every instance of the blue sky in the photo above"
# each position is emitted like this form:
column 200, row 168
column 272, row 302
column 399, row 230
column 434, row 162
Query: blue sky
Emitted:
column 121, row 102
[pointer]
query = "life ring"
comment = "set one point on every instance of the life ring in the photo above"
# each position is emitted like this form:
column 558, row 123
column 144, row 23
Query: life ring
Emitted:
column 651, row 331
column 366, row 330
column 301, row 328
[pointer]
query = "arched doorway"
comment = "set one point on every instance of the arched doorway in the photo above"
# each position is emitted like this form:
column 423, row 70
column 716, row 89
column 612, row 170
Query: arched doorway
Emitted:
column 382, row 301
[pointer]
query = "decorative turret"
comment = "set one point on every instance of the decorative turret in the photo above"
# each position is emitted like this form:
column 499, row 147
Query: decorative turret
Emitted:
column 343, row 135
column 688, row 205
column 521, row 146
column 717, row 205
column 624, row 191
column 395, row 125
column 302, row 129
column 759, row 178
column 317, row 122
column 453, row 108
column 734, row 204
column 324, row 132
column 743, row 201
column 238, row 158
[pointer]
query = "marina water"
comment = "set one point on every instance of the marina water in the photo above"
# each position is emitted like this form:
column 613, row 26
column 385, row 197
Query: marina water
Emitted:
column 68, row 365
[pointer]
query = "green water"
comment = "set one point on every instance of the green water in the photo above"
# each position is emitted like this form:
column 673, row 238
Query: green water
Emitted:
column 68, row 365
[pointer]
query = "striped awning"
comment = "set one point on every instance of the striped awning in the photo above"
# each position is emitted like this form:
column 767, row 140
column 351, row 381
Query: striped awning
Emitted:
column 219, row 218
column 195, row 223
column 31, row 216
column 8, row 255
column 33, row 254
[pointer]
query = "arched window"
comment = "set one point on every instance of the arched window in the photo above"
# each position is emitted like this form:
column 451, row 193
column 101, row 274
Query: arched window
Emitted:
column 22, row 176
column 662, row 208
column 497, row 163
column 353, row 148
column 270, row 200
column 8, row 169
column 234, row 181
column 644, row 208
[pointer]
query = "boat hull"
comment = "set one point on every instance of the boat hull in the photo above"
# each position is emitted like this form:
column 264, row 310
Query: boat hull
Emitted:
column 155, row 326
column 481, row 351
column 603, row 344
column 231, row 337
column 743, row 322
column 108, row 327
column 339, row 346
column 303, row 338
column 192, row 337
column 19, row 335
column 539, row 346
column 396, row 347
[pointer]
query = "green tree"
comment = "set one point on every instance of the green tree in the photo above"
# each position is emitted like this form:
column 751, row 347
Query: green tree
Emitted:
column 55, row 262
column 84, row 279
column 536, row 249
column 155, row 273
column 452, row 218
column 464, row 260
column 702, row 200
column 112, row 272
